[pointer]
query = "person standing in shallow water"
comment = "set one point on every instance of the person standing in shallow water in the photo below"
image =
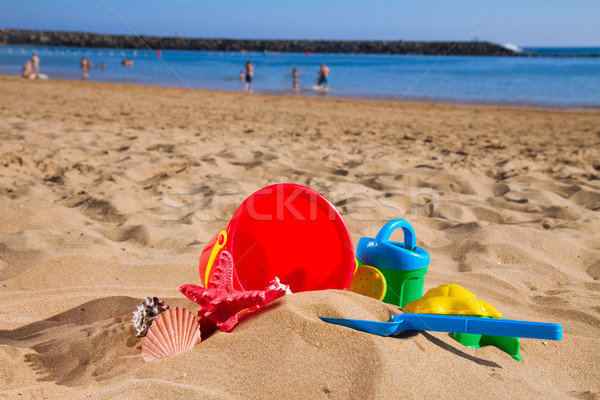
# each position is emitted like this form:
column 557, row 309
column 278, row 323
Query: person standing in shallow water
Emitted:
column 323, row 74
column 84, row 67
column 295, row 74
column 35, row 60
column 249, row 75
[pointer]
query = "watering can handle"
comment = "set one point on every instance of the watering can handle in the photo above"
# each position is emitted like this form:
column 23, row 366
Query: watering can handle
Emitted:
column 410, row 242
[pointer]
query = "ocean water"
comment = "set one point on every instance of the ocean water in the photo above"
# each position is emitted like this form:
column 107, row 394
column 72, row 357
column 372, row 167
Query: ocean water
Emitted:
column 568, row 51
column 558, row 82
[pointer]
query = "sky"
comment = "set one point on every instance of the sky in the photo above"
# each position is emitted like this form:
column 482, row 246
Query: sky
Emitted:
column 526, row 23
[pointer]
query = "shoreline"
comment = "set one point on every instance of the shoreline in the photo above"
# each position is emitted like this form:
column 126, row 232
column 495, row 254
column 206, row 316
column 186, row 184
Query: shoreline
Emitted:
column 467, row 80
column 310, row 95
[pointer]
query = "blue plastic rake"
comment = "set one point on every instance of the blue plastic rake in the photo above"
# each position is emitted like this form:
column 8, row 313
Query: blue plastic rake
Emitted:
column 454, row 324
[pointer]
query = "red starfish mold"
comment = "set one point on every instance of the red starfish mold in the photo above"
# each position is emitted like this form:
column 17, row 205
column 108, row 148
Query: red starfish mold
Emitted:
column 221, row 302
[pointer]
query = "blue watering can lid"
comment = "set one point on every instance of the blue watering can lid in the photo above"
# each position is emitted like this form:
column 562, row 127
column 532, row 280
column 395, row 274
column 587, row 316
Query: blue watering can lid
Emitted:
column 383, row 253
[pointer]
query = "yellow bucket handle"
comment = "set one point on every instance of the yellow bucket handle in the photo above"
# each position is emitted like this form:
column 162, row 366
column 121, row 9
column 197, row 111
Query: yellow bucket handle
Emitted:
column 219, row 244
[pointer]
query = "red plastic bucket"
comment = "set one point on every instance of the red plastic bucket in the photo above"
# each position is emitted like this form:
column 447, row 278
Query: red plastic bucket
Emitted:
column 286, row 231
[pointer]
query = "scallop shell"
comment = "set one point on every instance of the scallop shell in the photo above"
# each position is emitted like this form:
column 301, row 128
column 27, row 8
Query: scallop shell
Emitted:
column 174, row 331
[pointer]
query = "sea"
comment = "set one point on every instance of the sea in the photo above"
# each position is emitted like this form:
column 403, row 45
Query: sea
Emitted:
column 555, row 78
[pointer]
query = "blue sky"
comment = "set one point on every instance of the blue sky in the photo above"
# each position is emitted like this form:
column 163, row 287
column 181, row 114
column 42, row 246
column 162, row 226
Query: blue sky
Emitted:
column 521, row 22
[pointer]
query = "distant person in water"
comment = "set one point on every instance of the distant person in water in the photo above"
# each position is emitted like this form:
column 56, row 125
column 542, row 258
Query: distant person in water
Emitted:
column 242, row 78
column 35, row 60
column 83, row 64
column 295, row 75
column 249, row 75
column 27, row 71
column 102, row 65
column 323, row 74
column 127, row 62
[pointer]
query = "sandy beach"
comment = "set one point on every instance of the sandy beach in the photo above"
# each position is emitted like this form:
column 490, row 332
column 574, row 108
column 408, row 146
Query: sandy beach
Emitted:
column 108, row 194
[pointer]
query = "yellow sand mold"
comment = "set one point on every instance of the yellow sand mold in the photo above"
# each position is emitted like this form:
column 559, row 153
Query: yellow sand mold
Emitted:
column 452, row 300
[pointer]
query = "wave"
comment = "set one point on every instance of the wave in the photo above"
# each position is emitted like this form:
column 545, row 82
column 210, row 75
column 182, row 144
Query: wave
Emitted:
column 513, row 47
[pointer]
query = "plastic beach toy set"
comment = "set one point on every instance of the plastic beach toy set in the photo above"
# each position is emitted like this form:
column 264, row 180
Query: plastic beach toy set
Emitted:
column 287, row 238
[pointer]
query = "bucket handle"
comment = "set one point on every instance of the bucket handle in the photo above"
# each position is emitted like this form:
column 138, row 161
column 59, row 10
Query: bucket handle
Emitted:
column 410, row 242
column 219, row 244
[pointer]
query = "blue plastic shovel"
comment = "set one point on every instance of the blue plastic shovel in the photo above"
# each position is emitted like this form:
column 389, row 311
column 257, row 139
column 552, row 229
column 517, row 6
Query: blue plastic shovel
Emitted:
column 454, row 324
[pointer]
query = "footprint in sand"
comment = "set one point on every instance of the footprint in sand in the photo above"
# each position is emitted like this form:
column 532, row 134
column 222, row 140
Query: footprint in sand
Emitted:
column 99, row 210
column 594, row 270
column 14, row 262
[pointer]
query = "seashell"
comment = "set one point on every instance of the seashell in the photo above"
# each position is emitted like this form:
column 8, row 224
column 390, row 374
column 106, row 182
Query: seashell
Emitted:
column 173, row 332
column 145, row 314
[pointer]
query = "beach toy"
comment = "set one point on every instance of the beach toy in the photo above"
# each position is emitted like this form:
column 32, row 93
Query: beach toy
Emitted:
column 508, row 344
column 455, row 300
column 403, row 265
column 443, row 309
column 220, row 302
column 368, row 281
column 451, row 323
column 286, row 231
column 451, row 299
column 173, row 332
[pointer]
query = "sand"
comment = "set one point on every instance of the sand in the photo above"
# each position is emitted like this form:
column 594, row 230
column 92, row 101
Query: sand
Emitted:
column 109, row 192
